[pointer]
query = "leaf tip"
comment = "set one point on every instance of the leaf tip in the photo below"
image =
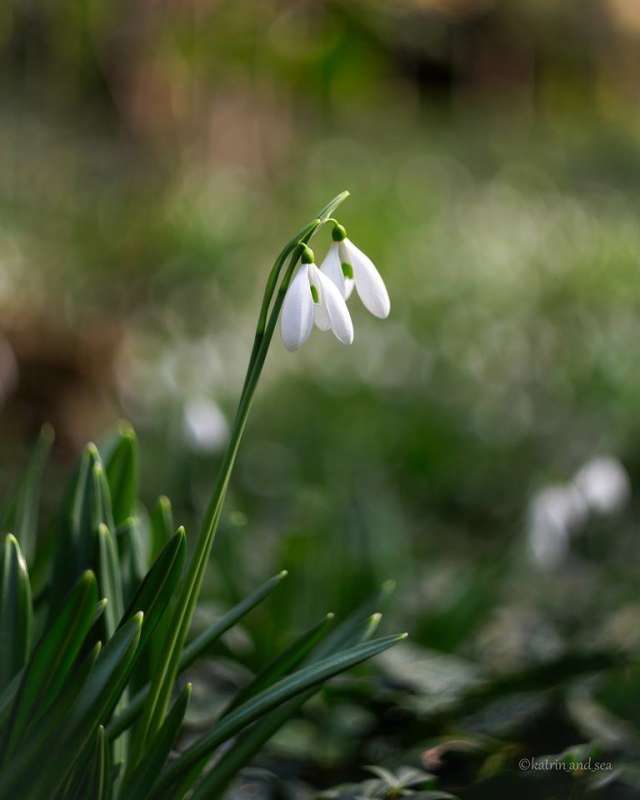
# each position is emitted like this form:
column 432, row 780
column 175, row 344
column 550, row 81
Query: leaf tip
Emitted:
column 87, row 577
column 282, row 574
column 47, row 433
column 92, row 450
column 126, row 430
column 388, row 587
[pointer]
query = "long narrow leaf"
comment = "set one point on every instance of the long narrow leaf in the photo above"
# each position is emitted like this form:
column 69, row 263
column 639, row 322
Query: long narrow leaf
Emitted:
column 162, row 525
column 22, row 773
column 110, row 578
column 284, row 690
column 285, row 663
column 16, row 612
column 121, row 467
column 140, row 784
column 250, row 742
column 198, row 647
column 53, row 655
column 158, row 587
column 79, row 520
column 94, row 703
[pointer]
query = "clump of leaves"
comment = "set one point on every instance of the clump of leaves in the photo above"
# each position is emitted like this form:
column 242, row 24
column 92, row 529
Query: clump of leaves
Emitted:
column 94, row 636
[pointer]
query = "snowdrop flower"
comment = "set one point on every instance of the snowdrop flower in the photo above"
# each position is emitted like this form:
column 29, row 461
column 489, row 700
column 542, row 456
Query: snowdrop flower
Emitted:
column 313, row 297
column 348, row 266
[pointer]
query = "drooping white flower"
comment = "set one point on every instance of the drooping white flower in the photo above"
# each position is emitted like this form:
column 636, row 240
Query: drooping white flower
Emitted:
column 312, row 296
column 348, row 266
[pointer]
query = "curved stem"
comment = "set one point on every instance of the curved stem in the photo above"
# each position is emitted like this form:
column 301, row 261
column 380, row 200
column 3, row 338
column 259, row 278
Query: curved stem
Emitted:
column 182, row 614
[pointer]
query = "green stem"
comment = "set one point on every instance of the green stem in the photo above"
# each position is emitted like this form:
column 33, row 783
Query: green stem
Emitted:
column 160, row 693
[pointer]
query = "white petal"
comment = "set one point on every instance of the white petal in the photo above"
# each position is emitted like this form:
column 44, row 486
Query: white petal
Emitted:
column 369, row 284
column 332, row 268
column 296, row 319
column 335, row 307
column 321, row 317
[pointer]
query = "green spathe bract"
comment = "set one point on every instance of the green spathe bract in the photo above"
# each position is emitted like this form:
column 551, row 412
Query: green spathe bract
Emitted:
column 89, row 702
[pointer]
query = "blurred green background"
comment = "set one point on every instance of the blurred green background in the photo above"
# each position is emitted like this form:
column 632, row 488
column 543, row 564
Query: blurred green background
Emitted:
column 479, row 447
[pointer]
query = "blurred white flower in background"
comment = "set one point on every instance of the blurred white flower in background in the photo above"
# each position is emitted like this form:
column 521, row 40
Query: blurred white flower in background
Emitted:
column 205, row 425
column 604, row 484
column 554, row 513
column 558, row 512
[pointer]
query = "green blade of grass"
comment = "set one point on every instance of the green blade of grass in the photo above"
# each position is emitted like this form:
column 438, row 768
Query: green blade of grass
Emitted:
column 16, row 611
column 301, row 681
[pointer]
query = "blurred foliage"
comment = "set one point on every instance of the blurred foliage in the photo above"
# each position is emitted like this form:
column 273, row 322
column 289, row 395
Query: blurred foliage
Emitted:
column 154, row 153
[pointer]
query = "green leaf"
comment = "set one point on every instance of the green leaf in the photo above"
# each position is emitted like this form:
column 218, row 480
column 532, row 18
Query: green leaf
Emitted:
column 287, row 661
column 121, row 468
column 302, row 680
column 16, row 612
column 81, row 515
column 328, row 210
column 157, row 589
column 110, row 578
column 7, row 697
column 140, row 783
column 21, row 516
column 94, row 703
column 90, row 777
column 250, row 742
column 162, row 525
column 53, row 656
column 24, row 774
column 197, row 648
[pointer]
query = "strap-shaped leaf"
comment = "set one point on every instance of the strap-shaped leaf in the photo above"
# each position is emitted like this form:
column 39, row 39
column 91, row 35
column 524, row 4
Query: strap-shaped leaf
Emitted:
column 24, row 774
column 81, row 514
column 53, row 656
column 89, row 779
column 156, row 590
column 162, row 525
column 94, row 703
column 7, row 697
column 281, row 692
column 285, row 663
column 140, row 783
column 197, row 648
column 250, row 742
column 121, row 467
column 110, row 578
column 16, row 612
column 21, row 516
